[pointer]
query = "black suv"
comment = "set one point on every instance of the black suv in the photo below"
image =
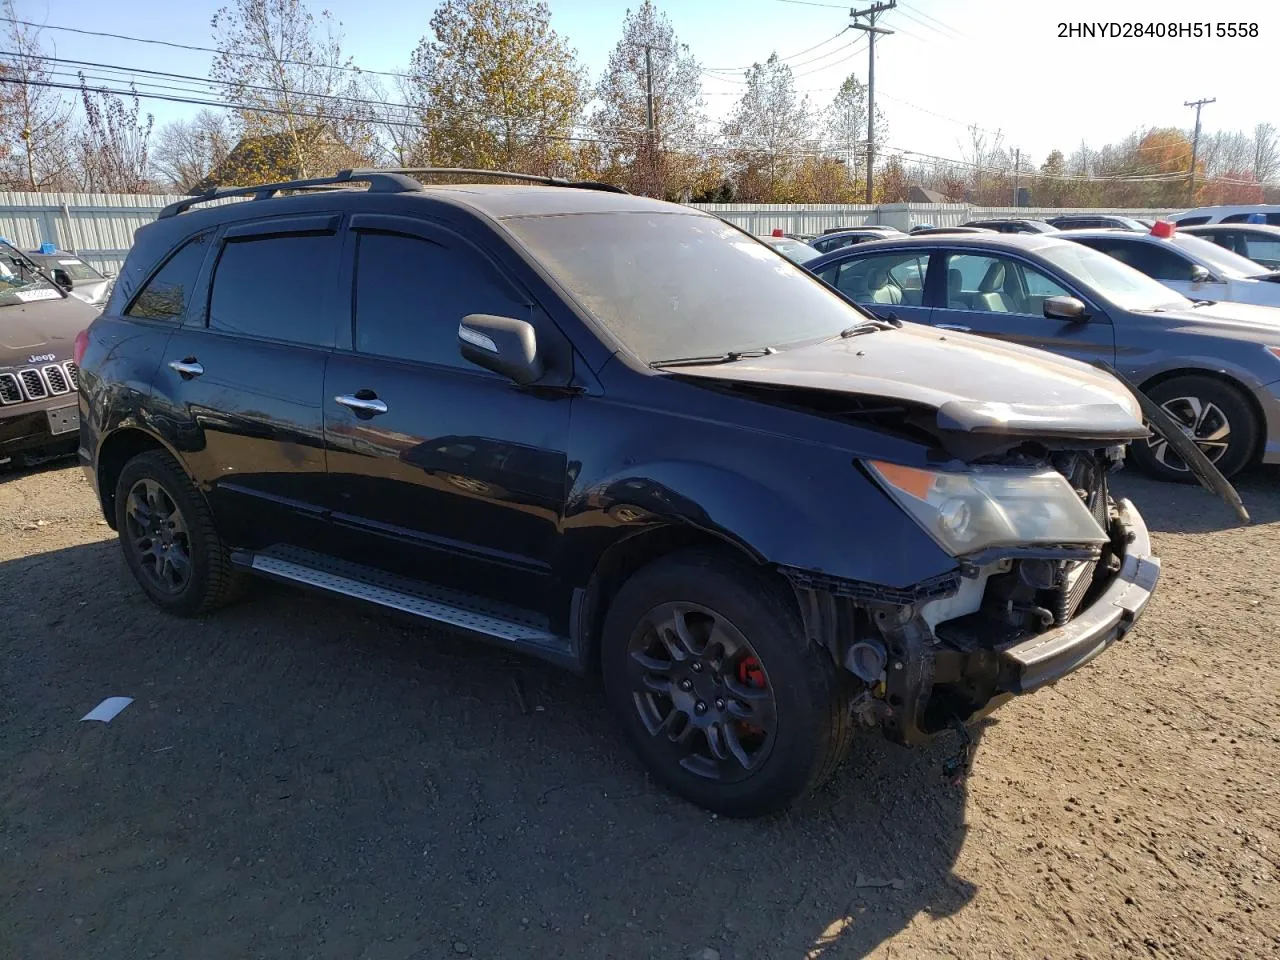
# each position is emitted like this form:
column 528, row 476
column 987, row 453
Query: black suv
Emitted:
column 621, row 435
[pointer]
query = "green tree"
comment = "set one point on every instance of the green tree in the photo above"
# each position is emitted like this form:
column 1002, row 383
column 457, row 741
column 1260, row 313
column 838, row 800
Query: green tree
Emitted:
column 654, row 164
column 497, row 88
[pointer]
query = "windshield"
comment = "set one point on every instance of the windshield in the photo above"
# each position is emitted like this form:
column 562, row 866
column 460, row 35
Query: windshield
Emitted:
column 672, row 285
column 1118, row 282
column 1219, row 258
column 794, row 250
column 76, row 269
column 19, row 281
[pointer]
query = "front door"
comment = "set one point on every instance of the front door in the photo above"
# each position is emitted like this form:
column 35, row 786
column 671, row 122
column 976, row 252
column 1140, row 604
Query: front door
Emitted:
column 1003, row 297
column 440, row 470
column 241, row 382
column 889, row 282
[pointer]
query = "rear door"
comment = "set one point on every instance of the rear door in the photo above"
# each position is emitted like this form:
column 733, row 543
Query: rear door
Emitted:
column 1002, row 296
column 240, row 385
column 441, row 470
column 885, row 282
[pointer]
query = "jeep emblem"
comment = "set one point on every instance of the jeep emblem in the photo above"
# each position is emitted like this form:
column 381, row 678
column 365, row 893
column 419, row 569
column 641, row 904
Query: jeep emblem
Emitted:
column 40, row 357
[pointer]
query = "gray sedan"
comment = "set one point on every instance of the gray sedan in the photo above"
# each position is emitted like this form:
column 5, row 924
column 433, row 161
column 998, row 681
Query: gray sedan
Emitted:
column 1215, row 367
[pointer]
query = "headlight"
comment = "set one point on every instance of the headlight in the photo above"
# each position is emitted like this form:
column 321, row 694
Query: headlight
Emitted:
column 990, row 506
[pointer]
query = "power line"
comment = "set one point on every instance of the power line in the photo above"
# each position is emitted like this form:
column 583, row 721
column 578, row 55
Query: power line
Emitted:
column 198, row 49
column 810, row 3
column 784, row 59
column 941, row 23
column 923, row 23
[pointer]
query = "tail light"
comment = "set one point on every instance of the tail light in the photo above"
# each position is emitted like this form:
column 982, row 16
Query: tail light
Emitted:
column 81, row 345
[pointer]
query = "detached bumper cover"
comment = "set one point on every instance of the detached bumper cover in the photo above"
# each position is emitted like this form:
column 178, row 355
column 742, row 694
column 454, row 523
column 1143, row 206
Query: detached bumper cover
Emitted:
column 1050, row 656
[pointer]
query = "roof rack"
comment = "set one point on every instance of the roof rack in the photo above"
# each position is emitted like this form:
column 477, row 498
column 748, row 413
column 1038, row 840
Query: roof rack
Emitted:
column 380, row 181
column 496, row 175
column 390, row 180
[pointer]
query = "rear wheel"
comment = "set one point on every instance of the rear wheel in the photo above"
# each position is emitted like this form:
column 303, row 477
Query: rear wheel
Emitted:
column 169, row 540
column 1215, row 414
column 716, row 687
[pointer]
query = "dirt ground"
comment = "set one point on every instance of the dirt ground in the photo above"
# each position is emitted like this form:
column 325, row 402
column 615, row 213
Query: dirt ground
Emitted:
column 298, row 777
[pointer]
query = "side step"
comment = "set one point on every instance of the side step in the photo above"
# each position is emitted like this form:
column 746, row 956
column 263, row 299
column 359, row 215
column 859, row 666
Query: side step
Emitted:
column 495, row 621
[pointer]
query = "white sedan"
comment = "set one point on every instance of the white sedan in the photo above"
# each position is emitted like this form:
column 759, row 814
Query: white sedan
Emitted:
column 1196, row 268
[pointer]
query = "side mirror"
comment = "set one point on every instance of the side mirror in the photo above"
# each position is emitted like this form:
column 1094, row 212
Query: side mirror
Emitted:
column 63, row 279
column 1065, row 308
column 505, row 345
column 1200, row 274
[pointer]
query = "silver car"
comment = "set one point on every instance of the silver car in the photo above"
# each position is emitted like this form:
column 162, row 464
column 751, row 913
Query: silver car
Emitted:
column 1215, row 367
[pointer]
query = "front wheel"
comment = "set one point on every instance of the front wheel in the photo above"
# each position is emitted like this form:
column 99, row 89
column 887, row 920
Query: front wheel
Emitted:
column 716, row 687
column 1216, row 415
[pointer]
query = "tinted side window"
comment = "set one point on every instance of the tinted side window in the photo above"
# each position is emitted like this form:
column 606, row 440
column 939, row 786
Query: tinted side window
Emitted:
column 1147, row 258
column 276, row 287
column 1235, row 218
column 167, row 295
column 1192, row 221
column 411, row 294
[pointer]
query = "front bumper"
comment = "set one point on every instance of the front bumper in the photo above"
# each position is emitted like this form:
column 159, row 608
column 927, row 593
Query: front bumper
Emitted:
column 932, row 684
column 24, row 427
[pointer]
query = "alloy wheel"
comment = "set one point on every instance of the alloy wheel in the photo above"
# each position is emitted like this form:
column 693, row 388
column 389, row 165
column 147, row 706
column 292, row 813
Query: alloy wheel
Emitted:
column 698, row 684
column 1201, row 420
column 157, row 533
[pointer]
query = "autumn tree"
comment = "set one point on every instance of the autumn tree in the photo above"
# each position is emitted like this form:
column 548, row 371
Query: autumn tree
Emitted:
column 286, row 75
column 35, row 120
column 768, row 130
column 845, row 125
column 892, row 184
column 497, row 88
column 653, row 163
column 111, row 146
column 188, row 151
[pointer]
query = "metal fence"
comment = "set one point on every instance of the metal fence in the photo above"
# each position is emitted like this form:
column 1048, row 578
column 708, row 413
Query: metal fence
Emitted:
column 100, row 226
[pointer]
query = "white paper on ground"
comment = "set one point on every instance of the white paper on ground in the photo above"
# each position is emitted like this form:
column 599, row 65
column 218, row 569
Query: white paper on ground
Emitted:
column 107, row 709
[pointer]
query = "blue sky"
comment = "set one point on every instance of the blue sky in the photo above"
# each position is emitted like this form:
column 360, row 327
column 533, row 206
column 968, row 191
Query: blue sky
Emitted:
column 1000, row 65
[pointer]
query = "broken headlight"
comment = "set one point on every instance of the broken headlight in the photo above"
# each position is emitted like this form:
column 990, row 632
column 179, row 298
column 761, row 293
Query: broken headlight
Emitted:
column 990, row 506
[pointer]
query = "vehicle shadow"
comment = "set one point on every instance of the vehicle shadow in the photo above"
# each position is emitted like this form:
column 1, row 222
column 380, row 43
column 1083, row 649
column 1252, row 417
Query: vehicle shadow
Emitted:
column 1189, row 508
column 300, row 775
column 16, row 468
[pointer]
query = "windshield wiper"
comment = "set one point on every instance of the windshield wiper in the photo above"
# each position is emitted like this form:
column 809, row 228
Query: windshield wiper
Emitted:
column 729, row 357
column 871, row 326
column 1203, row 303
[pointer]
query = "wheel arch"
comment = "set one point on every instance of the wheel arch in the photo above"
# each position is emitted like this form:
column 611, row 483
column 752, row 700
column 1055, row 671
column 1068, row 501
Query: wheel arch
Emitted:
column 117, row 449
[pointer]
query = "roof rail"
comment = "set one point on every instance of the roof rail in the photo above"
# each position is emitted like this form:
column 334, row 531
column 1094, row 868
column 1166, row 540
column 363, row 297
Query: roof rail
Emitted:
column 495, row 174
column 380, row 181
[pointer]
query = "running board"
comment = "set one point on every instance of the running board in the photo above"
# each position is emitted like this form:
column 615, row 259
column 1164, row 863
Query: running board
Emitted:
column 495, row 621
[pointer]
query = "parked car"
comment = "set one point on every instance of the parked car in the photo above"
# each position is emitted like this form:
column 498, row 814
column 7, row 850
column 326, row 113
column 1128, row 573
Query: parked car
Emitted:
column 848, row 238
column 863, row 226
column 794, row 250
column 1215, row 367
column 927, row 231
column 1253, row 241
column 1195, row 267
column 1266, row 213
column 619, row 435
column 73, row 275
column 39, row 412
column 1013, row 225
column 1094, row 221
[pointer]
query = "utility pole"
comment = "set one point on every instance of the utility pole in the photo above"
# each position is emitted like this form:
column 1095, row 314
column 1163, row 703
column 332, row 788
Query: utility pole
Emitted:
column 1017, row 163
column 871, row 29
column 1195, row 141
column 650, row 136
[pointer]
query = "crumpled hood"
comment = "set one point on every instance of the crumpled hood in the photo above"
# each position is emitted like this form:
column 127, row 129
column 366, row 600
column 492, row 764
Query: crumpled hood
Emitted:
column 977, row 385
column 41, row 327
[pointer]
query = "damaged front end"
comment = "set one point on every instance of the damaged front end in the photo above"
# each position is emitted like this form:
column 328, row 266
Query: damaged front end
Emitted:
column 1007, row 621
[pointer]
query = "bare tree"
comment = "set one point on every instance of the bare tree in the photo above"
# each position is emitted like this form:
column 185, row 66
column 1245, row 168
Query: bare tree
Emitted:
column 35, row 119
column 1266, row 158
column 845, row 122
column 769, row 129
column 112, row 143
column 401, row 137
column 187, row 151
column 287, row 77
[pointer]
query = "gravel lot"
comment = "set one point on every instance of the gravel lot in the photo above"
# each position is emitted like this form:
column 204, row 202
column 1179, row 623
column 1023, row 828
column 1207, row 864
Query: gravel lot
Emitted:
column 297, row 777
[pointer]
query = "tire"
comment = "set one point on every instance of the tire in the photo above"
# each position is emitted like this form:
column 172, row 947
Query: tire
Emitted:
column 811, row 722
column 160, row 484
column 1207, row 404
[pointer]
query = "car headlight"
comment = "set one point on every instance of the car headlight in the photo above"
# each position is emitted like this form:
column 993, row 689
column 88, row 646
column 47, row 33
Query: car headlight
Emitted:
column 990, row 506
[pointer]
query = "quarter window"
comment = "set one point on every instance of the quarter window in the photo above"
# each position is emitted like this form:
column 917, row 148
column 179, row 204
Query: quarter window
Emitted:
column 886, row 278
column 276, row 287
column 167, row 294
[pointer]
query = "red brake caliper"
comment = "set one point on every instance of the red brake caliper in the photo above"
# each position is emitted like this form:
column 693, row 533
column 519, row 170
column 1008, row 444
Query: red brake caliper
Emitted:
column 750, row 674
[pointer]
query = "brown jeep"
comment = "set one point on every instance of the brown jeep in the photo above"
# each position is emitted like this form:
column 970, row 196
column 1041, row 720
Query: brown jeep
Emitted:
column 39, row 411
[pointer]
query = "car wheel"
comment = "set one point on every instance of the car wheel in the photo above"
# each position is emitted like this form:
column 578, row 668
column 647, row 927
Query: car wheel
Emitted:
column 717, row 688
column 1215, row 414
column 169, row 539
